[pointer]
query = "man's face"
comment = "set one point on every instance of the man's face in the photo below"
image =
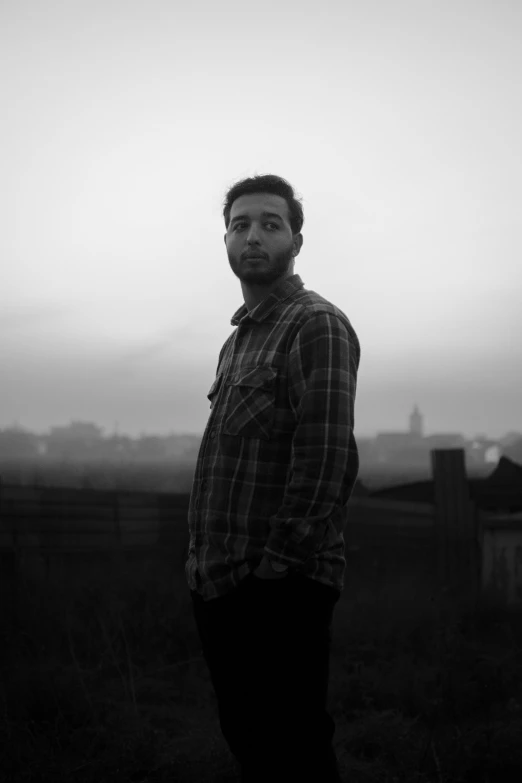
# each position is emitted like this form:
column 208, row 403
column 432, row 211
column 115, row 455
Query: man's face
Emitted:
column 259, row 225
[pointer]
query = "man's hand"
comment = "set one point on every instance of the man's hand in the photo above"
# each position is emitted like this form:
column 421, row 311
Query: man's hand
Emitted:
column 265, row 571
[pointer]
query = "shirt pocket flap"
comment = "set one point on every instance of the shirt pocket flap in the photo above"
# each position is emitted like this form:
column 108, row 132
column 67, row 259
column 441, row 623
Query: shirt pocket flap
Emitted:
column 214, row 389
column 256, row 377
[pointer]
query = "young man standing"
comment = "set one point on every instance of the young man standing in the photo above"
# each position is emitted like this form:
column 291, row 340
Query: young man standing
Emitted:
column 276, row 468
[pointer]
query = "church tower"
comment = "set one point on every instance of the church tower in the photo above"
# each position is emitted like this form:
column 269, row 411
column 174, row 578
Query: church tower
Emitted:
column 416, row 423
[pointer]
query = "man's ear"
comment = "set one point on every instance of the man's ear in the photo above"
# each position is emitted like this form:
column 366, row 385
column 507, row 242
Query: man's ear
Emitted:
column 298, row 243
column 225, row 238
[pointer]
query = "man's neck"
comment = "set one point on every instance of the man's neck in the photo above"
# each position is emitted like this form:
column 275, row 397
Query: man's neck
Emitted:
column 255, row 294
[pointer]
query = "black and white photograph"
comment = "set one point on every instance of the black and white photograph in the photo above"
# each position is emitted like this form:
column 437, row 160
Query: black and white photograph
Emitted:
column 261, row 391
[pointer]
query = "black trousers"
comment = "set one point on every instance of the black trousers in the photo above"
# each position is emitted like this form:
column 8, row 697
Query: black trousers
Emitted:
column 267, row 648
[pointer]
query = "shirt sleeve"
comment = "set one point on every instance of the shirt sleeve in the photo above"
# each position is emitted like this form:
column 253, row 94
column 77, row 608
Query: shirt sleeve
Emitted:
column 323, row 365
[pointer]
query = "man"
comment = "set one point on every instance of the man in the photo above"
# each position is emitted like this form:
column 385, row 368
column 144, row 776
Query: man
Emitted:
column 276, row 468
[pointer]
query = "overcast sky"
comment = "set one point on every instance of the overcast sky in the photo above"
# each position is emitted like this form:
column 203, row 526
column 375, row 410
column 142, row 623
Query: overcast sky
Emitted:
column 124, row 123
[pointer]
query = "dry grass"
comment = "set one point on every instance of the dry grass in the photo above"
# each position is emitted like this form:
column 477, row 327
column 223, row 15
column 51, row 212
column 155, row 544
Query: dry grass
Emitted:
column 104, row 681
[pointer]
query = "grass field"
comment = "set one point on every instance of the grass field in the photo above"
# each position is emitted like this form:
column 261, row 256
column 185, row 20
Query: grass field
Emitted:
column 104, row 681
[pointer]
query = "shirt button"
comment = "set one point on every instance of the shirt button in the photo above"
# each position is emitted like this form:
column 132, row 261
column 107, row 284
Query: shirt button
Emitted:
column 212, row 433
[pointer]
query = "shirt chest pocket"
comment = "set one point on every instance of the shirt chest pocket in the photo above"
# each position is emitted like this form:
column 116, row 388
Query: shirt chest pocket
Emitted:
column 251, row 403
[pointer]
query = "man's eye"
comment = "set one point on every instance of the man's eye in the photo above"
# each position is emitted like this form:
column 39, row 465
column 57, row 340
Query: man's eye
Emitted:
column 238, row 226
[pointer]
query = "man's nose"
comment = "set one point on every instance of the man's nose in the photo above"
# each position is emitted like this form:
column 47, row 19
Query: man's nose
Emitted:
column 253, row 235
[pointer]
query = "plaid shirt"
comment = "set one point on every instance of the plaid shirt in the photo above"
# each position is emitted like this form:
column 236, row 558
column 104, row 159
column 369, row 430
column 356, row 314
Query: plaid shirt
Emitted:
column 278, row 459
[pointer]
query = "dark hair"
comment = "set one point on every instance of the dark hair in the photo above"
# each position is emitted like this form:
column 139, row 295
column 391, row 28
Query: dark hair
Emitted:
column 266, row 183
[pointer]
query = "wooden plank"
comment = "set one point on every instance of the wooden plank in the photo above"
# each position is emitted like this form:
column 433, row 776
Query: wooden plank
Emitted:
column 55, row 528
column 56, row 496
column 379, row 529
column 377, row 505
column 143, row 514
column 20, row 493
column 81, row 541
column 41, row 496
column 398, row 521
column 60, row 516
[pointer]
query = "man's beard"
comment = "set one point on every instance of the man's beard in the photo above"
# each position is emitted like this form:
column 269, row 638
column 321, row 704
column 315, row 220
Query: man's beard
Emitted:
column 262, row 272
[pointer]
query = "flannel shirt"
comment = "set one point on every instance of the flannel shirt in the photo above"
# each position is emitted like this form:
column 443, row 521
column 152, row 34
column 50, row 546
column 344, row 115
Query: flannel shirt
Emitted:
column 278, row 459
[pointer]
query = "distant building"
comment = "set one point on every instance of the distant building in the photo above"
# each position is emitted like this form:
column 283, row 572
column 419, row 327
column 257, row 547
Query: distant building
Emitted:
column 445, row 440
column 482, row 450
column 17, row 443
column 411, row 447
column 79, row 439
column 416, row 422
column 405, row 446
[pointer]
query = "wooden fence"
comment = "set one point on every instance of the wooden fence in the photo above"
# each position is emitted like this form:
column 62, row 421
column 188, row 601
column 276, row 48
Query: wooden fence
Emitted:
column 53, row 519
column 449, row 545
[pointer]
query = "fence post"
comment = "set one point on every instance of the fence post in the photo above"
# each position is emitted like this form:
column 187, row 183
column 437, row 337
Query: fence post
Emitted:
column 117, row 542
column 10, row 570
column 456, row 537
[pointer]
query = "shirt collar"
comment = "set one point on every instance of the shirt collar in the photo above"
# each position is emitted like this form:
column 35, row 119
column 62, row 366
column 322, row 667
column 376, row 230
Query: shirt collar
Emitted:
column 286, row 288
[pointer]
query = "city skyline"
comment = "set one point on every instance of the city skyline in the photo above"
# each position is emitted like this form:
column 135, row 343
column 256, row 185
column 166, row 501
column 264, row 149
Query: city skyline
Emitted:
column 116, row 430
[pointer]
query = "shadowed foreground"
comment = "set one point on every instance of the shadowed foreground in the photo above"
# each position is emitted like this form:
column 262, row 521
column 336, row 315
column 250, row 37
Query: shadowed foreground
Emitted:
column 104, row 681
